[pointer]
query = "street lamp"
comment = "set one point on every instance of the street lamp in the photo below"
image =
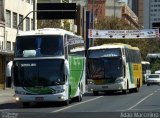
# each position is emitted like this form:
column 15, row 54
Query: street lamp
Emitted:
column 114, row 7
column 92, row 14
column 34, row 14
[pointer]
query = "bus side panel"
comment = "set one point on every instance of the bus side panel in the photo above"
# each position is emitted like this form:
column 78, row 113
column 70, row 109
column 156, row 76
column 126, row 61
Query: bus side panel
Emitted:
column 76, row 64
column 135, row 73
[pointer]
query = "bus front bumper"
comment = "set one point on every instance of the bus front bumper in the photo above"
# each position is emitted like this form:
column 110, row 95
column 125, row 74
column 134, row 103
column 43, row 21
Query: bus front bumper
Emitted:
column 41, row 98
column 106, row 87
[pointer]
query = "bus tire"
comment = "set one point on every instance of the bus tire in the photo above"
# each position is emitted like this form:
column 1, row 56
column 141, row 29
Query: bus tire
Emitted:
column 79, row 97
column 126, row 90
column 138, row 86
column 25, row 104
column 95, row 93
column 66, row 103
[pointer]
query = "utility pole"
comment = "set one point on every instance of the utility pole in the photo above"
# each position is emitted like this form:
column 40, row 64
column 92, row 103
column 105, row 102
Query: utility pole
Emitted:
column 34, row 14
column 114, row 7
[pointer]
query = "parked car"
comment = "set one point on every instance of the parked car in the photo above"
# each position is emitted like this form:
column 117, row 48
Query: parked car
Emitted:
column 153, row 79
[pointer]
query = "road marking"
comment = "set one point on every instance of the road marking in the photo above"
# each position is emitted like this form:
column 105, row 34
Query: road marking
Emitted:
column 155, row 91
column 140, row 101
column 77, row 104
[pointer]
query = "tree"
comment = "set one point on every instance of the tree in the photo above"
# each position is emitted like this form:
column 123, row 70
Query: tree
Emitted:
column 113, row 23
column 53, row 24
column 49, row 24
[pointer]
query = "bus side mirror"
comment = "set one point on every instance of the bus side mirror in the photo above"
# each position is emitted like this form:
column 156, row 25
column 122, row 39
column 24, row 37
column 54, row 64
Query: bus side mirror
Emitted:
column 124, row 60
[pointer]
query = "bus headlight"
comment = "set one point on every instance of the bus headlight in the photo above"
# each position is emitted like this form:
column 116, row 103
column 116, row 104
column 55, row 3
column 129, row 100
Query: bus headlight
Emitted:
column 119, row 80
column 90, row 81
column 17, row 99
column 59, row 91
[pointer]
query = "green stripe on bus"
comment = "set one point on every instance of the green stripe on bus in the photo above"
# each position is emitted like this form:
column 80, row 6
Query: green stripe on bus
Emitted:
column 76, row 72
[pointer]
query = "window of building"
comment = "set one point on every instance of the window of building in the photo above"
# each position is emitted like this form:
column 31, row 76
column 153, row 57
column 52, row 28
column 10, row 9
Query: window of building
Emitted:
column 0, row 46
column 8, row 18
column 28, row 1
column 14, row 20
column 27, row 24
column 20, row 19
column 65, row 1
column 32, row 24
column 8, row 46
column 32, row 2
column 155, row 0
column 13, row 46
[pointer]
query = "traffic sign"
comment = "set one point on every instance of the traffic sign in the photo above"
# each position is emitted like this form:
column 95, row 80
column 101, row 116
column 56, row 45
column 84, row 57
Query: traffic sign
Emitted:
column 56, row 11
column 121, row 34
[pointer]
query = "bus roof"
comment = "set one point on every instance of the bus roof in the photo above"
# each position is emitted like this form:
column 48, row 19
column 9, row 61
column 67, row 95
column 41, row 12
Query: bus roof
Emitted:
column 113, row 45
column 47, row 31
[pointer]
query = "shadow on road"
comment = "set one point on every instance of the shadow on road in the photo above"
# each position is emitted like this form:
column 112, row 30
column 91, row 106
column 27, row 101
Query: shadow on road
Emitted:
column 108, row 93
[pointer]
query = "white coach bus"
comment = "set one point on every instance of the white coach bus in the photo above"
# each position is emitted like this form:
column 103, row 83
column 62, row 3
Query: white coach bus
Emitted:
column 114, row 67
column 48, row 66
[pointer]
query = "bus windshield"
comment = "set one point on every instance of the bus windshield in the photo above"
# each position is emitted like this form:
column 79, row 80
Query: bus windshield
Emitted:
column 105, row 53
column 105, row 68
column 30, row 73
column 39, row 46
column 113, row 67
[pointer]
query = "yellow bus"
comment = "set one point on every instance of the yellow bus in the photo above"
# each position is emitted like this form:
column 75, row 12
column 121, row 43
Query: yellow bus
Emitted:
column 114, row 67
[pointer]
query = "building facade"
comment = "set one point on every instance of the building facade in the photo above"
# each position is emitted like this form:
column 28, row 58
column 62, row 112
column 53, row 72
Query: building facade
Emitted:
column 15, row 11
column 152, row 14
column 12, row 13
column 137, row 7
column 120, row 9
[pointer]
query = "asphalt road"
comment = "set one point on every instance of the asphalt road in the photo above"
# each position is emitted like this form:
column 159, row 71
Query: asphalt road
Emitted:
column 145, row 103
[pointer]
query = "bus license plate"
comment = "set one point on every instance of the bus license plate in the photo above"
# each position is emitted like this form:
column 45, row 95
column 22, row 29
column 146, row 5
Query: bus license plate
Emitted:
column 39, row 99
column 104, row 86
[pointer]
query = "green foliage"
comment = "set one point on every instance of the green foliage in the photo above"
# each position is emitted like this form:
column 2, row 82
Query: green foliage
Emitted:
column 66, row 25
column 48, row 24
column 155, row 65
column 53, row 24
column 113, row 23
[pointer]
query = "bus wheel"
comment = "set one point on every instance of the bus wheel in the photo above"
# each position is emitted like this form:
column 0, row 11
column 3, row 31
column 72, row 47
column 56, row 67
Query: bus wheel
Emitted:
column 25, row 104
column 95, row 93
column 79, row 97
column 66, row 103
column 138, row 85
column 126, row 90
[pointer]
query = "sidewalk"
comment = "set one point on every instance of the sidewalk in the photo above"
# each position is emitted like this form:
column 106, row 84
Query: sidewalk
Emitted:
column 7, row 96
